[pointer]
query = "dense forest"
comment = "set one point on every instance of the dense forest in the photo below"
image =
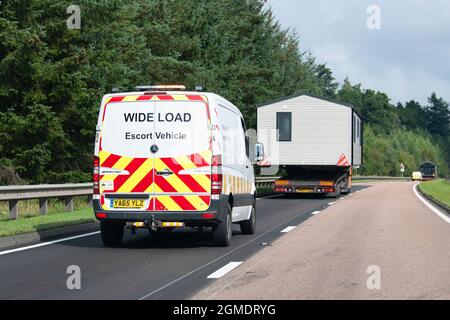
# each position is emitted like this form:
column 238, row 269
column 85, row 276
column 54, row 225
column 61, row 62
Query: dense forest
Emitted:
column 52, row 79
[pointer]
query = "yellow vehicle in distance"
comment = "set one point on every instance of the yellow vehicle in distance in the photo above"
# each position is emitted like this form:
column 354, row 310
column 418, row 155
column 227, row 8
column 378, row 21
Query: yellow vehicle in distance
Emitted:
column 417, row 175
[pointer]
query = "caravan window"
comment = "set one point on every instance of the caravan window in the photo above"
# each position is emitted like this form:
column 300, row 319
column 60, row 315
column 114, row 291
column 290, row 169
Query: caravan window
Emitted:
column 284, row 126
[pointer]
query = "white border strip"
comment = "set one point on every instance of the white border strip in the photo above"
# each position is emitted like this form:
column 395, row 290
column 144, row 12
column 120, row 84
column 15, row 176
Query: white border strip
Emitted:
column 224, row 270
column 430, row 206
column 2, row 253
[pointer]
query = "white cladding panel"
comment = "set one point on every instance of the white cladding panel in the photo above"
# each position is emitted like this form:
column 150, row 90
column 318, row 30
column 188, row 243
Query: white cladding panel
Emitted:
column 321, row 132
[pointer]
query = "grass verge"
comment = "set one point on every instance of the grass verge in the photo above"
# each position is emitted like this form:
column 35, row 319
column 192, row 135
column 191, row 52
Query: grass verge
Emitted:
column 47, row 222
column 437, row 189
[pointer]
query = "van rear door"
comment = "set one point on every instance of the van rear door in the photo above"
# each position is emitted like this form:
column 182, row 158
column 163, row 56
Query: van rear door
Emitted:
column 155, row 153
column 183, row 161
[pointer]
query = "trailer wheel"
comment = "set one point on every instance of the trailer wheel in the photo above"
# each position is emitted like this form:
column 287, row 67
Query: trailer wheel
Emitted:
column 112, row 233
column 223, row 230
column 248, row 227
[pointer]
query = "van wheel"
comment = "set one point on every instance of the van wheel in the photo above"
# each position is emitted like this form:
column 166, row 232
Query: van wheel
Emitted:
column 112, row 233
column 248, row 227
column 223, row 230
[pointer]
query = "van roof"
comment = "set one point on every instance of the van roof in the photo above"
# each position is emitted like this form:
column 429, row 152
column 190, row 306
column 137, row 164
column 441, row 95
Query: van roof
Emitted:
column 132, row 93
column 210, row 95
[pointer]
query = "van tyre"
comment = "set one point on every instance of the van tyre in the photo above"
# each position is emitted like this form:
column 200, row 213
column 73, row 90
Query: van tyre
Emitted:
column 248, row 227
column 112, row 233
column 223, row 230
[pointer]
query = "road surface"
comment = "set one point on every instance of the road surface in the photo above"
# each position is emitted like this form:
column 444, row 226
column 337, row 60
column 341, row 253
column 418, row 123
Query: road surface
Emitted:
column 304, row 248
column 381, row 243
column 173, row 266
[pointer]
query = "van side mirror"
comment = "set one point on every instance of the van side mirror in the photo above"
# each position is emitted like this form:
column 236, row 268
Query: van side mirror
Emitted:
column 259, row 152
column 260, row 155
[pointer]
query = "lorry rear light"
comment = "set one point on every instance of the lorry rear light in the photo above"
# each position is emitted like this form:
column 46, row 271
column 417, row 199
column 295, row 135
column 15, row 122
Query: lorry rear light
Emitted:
column 96, row 175
column 216, row 175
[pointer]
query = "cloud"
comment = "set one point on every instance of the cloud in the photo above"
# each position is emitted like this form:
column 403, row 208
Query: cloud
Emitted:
column 407, row 58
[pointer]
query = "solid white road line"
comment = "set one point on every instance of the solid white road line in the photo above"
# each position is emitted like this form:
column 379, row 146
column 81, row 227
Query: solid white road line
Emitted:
column 224, row 270
column 315, row 212
column 331, row 203
column 286, row 230
column 430, row 206
column 43, row 244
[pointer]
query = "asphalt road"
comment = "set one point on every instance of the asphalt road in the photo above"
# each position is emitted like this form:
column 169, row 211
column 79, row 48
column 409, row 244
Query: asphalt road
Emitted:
column 381, row 243
column 171, row 266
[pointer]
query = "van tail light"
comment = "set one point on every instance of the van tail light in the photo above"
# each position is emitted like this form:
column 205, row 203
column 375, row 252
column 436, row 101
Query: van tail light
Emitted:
column 96, row 175
column 216, row 175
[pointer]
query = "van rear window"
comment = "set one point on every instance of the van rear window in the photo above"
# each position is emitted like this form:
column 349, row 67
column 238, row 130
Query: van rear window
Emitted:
column 177, row 128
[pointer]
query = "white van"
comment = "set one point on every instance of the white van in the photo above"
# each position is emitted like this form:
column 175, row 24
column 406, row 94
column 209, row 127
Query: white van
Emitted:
column 172, row 159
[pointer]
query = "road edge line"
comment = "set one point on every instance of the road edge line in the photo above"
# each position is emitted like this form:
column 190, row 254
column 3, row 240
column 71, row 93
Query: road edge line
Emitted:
column 47, row 243
column 430, row 205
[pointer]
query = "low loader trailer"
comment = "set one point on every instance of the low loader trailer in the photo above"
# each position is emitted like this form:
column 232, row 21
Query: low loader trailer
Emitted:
column 315, row 180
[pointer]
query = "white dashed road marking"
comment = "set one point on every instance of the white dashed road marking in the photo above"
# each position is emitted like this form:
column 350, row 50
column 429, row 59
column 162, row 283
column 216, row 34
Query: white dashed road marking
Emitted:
column 224, row 270
column 286, row 230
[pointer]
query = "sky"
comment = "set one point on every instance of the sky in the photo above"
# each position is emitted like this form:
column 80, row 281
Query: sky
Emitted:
column 407, row 57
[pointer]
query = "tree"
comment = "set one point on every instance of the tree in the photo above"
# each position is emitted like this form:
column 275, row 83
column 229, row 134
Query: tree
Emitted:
column 412, row 115
column 437, row 116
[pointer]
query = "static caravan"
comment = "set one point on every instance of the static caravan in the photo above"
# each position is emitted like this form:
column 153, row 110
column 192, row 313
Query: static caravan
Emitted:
column 315, row 141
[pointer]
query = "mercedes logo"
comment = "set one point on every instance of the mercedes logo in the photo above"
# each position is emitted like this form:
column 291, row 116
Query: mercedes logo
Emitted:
column 154, row 148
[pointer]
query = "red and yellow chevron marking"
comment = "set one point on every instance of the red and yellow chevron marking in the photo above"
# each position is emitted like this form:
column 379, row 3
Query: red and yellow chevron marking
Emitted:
column 173, row 97
column 236, row 185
